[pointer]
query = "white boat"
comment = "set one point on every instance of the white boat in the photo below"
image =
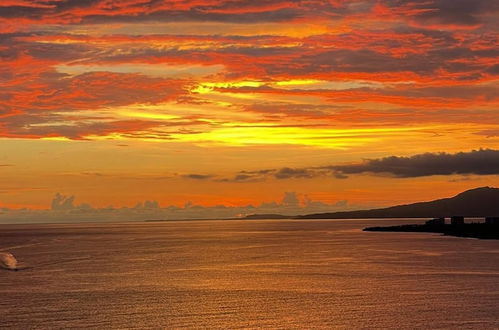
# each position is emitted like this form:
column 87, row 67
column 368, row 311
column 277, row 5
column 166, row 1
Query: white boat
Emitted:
column 8, row 261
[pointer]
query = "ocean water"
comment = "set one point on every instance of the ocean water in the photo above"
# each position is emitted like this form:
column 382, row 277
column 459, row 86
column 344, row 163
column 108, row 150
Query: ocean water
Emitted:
column 278, row 274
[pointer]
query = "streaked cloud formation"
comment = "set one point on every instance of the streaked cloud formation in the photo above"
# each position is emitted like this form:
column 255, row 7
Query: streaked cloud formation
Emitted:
column 219, row 69
column 194, row 91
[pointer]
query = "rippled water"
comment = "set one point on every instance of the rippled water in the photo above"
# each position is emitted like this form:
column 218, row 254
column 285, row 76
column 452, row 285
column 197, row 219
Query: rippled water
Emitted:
column 246, row 274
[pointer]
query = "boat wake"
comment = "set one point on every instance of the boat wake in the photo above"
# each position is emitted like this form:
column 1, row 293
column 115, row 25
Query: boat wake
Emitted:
column 9, row 262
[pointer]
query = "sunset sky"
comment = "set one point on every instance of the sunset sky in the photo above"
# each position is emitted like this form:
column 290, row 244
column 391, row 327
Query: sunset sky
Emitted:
column 211, row 104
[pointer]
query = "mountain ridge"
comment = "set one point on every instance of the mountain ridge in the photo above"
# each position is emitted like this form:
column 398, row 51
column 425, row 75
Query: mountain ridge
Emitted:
column 477, row 202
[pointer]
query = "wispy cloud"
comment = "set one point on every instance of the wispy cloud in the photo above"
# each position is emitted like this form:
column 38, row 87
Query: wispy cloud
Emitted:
column 197, row 176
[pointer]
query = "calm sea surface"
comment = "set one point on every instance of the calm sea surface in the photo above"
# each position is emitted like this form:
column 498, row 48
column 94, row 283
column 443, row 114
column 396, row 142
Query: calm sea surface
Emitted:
column 246, row 274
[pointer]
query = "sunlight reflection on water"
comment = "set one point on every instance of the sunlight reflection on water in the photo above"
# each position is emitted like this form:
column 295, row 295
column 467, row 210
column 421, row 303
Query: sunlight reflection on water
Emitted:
column 230, row 274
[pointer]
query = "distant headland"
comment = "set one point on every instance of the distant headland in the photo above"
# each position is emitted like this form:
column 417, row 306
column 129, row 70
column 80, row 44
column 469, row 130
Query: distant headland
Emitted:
column 481, row 202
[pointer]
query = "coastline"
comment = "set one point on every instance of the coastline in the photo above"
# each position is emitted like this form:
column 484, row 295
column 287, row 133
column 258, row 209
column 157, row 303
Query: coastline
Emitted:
column 468, row 230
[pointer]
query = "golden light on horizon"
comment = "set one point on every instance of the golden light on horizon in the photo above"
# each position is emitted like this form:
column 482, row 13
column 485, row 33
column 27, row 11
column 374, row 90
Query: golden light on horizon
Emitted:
column 212, row 91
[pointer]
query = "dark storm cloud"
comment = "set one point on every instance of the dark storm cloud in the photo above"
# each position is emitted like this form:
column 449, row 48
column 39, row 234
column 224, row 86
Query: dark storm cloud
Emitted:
column 478, row 162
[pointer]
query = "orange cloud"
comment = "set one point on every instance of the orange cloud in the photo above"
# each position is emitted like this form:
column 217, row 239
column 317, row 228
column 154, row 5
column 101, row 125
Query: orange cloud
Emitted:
column 370, row 62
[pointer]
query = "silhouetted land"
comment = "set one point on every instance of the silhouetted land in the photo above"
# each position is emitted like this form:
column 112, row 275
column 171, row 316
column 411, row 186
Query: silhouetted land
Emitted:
column 479, row 202
column 266, row 216
column 475, row 230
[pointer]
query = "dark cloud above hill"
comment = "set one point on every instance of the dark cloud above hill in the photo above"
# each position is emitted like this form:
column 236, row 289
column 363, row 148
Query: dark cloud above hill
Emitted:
column 476, row 162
